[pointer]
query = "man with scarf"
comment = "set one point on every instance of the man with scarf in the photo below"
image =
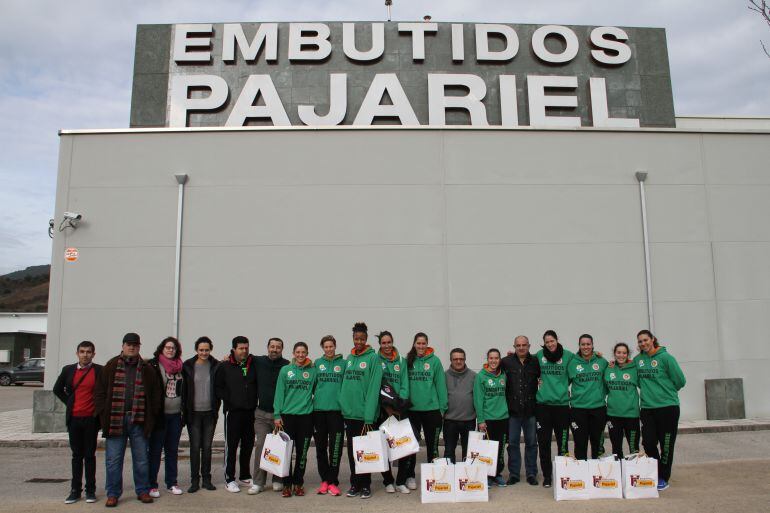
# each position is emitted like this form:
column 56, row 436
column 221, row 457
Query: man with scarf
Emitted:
column 236, row 386
column 127, row 401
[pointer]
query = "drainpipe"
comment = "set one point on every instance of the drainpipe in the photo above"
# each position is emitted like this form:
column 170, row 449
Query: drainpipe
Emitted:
column 641, row 177
column 181, row 179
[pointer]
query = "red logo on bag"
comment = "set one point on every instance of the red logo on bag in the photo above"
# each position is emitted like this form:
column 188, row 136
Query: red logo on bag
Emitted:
column 601, row 482
column 482, row 459
column 466, row 485
column 642, row 482
column 363, row 456
column 272, row 458
column 437, row 487
column 572, row 484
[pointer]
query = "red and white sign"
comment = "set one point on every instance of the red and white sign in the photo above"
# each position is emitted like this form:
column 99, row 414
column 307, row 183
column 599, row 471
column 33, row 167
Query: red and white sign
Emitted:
column 71, row 254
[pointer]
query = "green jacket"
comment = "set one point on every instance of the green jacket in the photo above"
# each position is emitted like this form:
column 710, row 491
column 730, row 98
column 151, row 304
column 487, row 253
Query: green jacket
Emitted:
column 489, row 396
column 394, row 371
column 660, row 378
column 587, row 382
column 360, row 392
column 427, row 384
column 294, row 390
column 554, row 390
column 328, row 383
column 622, row 391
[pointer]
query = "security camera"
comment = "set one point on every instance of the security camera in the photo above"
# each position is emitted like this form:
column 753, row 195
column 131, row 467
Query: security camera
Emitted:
column 70, row 220
column 73, row 216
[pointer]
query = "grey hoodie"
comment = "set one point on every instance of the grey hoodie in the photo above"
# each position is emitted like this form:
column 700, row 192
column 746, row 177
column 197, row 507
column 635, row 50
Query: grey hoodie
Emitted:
column 459, row 387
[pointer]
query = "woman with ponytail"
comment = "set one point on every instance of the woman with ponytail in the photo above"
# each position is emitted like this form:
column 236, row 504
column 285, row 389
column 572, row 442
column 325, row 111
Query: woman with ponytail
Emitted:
column 622, row 381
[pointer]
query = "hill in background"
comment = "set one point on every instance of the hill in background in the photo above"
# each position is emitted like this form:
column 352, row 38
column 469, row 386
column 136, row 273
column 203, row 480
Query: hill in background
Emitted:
column 25, row 291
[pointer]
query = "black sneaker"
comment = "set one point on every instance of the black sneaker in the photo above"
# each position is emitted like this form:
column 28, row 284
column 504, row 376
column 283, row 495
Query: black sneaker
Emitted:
column 512, row 480
column 532, row 480
column 353, row 492
column 546, row 482
column 90, row 497
column 73, row 497
column 208, row 485
column 366, row 493
column 194, row 487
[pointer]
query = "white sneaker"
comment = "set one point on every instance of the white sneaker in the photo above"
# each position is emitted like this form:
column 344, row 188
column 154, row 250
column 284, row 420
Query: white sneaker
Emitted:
column 154, row 493
column 175, row 490
column 255, row 489
column 233, row 487
column 411, row 483
column 403, row 489
column 247, row 481
column 277, row 487
column 390, row 488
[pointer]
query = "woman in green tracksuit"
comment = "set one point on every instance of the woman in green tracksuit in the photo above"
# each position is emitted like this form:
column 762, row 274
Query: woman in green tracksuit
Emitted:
column 588, row 407
column 395, row 374
column 552, row 406
column 293, row 412
column 427, row 392
column 622, row 381
column 660, row 379
column 327, row 417
column 492, row 408
column 360, row 401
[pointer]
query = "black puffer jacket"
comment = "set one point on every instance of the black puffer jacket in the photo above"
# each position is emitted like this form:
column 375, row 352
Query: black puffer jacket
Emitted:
column 236, row 390
column 521, row 384
column 188, row 372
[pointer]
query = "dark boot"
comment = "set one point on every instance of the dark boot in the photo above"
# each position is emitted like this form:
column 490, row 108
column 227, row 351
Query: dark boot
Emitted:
column 194, row 486
column 207, row 484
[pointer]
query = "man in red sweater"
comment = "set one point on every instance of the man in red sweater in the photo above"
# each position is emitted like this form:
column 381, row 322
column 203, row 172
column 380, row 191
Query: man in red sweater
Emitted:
column 75, row 388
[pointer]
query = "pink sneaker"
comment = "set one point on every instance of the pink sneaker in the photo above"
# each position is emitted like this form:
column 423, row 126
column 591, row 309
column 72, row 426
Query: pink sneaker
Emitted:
column 323, row 489
column 333, row 490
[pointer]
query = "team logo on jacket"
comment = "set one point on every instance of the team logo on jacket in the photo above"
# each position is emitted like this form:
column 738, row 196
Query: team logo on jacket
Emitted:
column 426, row 366
column 641, row 363
column 396, row 368
column 502, row 381
column 579, row 368
column 306, row 374
column 362, row 365
column 384, row 366
column 349, row 363
column 612, row 375
column 595, row 366
column 337, row 368
column 626, row 376
column 290, row 374
column 322, row 367
column 559, row 362
column 545, row 360
column 654, row 363
column 491, row 382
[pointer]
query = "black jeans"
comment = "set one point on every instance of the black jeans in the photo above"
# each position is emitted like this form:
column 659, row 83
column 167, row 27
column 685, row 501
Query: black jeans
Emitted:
column 200, row 427
column 82, row 434
column 329, row 435
column 300, row 429
column 387, row 476
column 239, row 430
column 659, row 428
column 551, row 420
column 623, row 426
column 354, row 427
column 429, row 422
column 455, row 430
column 588, row 424
column 497, row 430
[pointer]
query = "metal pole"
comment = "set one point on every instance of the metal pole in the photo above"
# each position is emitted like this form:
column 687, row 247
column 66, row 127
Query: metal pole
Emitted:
column 388, row 4
column 641, row 177
column 181, row 179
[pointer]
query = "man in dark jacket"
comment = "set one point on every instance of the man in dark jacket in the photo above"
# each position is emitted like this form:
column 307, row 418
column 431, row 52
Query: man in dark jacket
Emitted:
column 127, row 399
column 268, row 367
column 522, row 372
column 236, row 387
column 75, row 388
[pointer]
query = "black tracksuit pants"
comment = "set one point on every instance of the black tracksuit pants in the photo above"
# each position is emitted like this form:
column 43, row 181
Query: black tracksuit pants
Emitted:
column 355, row 427
column 551, row 421
column 429, row 422
column 620, row 427
column 239, row 430
column 588, row 425
column 659, row 428
column 498, row 430
column 300, row 429
column 329, row 434
column 82, row 434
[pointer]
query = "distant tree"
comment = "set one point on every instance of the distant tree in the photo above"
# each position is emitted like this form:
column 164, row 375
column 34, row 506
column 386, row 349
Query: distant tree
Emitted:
column 763, row 8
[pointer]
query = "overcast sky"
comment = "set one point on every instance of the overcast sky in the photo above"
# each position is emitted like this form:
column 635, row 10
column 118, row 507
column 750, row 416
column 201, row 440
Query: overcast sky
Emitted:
column 68, row 65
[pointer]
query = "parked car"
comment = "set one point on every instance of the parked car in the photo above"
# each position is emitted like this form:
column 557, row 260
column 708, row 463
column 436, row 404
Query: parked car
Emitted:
column 28, row 371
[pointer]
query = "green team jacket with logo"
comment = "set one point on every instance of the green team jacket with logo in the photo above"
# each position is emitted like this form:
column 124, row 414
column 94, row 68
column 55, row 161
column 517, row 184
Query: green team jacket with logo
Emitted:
column 622, row 392
column 328, row 382
column 294, row 390
column 427, row 383
column 360, row 392
column 554, row 390
column 660, row 378
column 394, row 371
column 489, row 396
column 587, row 382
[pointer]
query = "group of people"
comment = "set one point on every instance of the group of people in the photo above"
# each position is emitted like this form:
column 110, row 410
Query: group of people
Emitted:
column 337, row 398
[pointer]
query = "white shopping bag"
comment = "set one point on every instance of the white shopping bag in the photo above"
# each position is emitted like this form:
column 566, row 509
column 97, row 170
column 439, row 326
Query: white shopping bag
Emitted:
column 640, row 477
column 370, row 452
column 570, row 479
column 400, row 438
column 276, row 454
column 437, row 483
column 471, row 482
column 483, row 451
column 605, row 480
column 476, row 435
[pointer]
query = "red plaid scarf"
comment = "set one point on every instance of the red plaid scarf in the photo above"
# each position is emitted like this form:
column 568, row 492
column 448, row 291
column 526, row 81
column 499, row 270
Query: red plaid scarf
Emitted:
column 117, row 410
